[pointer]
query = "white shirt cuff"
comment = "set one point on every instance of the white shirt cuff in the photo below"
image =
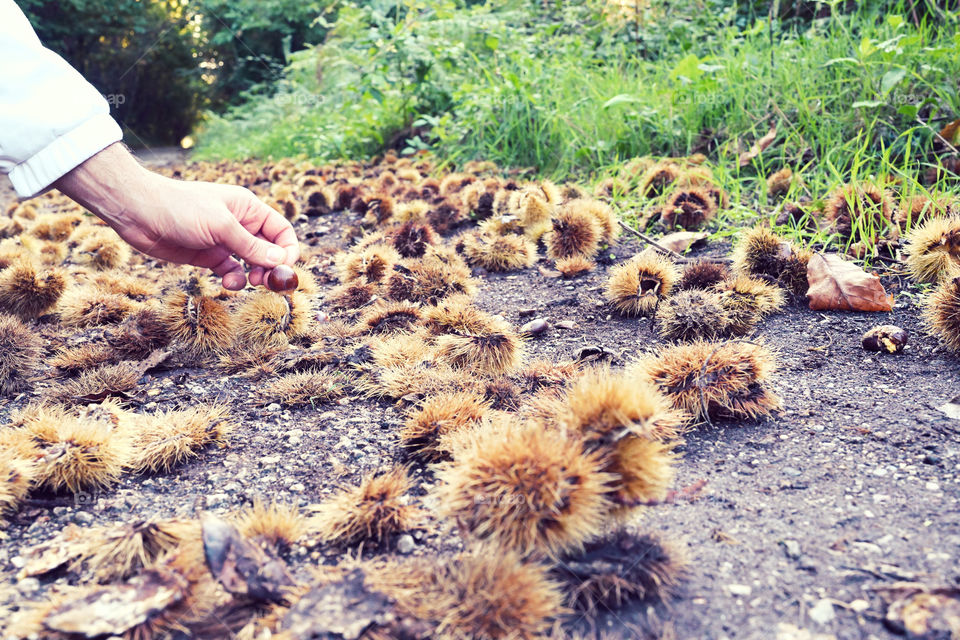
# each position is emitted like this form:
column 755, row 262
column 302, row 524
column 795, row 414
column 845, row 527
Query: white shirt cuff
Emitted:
column 38, row 172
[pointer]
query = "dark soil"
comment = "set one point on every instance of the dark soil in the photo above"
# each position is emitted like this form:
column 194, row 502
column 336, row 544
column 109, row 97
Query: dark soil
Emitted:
column 854, row 484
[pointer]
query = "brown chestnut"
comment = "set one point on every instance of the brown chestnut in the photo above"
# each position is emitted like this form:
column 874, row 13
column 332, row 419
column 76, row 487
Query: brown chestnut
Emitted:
column 282, row 279
column 886, row 338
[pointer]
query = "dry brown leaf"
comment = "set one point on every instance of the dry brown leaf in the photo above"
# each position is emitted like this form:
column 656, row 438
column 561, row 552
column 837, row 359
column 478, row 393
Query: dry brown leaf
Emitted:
column 920, row 611
column 951, row 132
column 549, row 273
column 114, row 609
column 344, row 609
column 838, row 285
column 679, row 241
column 240, row 566
column 758, row 146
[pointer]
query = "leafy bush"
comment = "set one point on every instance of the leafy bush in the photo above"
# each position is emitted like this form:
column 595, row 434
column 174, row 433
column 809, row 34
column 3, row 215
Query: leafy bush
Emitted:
column 568, row 88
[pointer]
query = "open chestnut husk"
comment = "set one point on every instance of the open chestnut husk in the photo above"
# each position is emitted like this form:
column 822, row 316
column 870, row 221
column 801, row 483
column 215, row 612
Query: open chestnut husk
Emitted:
column 887, row 338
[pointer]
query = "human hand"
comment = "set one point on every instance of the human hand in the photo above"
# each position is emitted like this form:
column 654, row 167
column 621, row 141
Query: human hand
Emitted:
column 198, row 223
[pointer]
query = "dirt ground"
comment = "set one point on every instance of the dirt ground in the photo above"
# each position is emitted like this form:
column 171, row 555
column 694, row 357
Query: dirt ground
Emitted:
column 788, row 522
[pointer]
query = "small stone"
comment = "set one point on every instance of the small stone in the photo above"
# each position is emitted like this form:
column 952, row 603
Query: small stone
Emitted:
column 859, row 605
column 405, row 544
column 273, row 406
column 739, row 589
column 232, row 487
column 297, row 487
column 28, row 585
column 566, row 324
column 535, row 327
column 790, row 471
column 83, row 518
column 791, row 548
column 216, row 500
column 822, row 612
column 526, row 313
column 294, row 433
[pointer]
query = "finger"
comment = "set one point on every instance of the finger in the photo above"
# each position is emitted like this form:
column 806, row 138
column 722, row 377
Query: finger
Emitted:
column 254, row 250
column 231, row 272
column 257, row 276
column 267, row 223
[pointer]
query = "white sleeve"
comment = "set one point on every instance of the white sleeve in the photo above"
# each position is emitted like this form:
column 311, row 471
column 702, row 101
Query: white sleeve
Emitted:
column 51, row 119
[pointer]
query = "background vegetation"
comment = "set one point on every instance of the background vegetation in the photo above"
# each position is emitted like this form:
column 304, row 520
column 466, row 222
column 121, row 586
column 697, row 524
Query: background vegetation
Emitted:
column 853, row 90
column 162, row 63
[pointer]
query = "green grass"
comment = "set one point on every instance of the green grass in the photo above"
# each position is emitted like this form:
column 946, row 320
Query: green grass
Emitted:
column 854, row 97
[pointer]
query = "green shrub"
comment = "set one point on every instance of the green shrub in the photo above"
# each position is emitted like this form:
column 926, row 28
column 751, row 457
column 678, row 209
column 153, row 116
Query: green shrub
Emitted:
column 563, row 90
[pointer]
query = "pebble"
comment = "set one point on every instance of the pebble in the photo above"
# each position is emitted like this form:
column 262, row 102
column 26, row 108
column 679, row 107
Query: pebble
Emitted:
column 297, row 487
column 83, row 518
column 566, row 324
column 822, row 612
column 859, row 605
column 273, row 406
column 791, row 548
column 739, row 589
column 28, row 585
column 405, row 544
column 790, row 471
column 535, row 327
column 216, row 500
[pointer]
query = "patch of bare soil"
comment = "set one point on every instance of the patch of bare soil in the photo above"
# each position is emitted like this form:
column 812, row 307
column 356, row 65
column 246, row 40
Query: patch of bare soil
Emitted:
column 789, row 523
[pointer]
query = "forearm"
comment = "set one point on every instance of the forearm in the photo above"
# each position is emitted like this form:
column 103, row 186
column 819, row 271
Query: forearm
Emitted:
column 109, row 184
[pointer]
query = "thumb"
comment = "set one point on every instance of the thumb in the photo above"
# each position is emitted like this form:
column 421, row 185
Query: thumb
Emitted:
column 250, row 248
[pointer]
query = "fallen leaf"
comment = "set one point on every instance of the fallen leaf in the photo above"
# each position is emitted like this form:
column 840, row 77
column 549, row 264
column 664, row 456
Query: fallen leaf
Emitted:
column 951, row 409
column 549, row 273
column 758, row 146
column 680, row 241
column 54, row 554
column 241, row 567
column 951, row 132
column 114, row 609
column 838, row 285
column 344, row 609
column 920, row 611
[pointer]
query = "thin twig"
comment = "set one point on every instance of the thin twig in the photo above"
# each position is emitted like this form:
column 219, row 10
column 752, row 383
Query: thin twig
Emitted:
column 942, row 139
column 670, row 252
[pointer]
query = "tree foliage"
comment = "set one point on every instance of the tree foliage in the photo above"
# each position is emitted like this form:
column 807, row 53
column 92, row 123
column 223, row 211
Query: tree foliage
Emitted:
column 160, row 63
